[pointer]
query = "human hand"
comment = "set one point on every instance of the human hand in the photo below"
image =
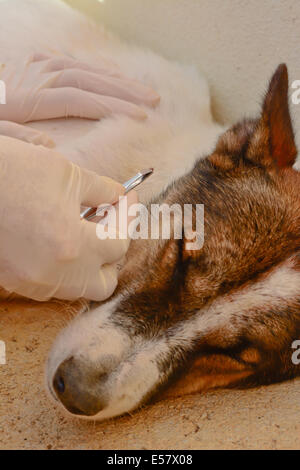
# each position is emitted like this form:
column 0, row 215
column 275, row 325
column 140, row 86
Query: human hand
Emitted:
column 48, row 87
column 45, row 249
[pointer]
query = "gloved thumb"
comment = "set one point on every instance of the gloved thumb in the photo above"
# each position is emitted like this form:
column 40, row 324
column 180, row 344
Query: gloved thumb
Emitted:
column 96, row 190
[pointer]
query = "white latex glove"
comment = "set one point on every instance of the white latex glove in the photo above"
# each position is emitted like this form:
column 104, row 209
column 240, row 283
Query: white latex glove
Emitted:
column 47, row 87
column 25, row 133
column 45, row 249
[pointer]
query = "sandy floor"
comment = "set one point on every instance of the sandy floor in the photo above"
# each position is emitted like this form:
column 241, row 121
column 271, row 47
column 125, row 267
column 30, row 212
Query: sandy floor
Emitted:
column 268, row 417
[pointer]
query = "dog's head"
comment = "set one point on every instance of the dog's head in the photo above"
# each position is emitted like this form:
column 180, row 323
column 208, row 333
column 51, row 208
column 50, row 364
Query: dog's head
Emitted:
column 175, row 306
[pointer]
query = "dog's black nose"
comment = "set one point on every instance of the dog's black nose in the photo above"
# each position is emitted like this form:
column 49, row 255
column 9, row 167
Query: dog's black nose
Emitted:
column 76, row 386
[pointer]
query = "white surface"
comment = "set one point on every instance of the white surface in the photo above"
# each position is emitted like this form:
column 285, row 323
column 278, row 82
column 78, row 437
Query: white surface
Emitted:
column 236, row 43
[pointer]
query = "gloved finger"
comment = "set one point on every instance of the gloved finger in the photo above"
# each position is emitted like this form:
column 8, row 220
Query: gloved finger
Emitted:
column 57, row 63
column 96, row 190
column 99, row 286
column 55, row 103
column 103, row 251
column 124, row 89
column 27, row 134
column 103, row 284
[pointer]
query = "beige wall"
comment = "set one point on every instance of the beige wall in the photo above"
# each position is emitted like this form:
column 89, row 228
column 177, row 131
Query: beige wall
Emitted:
column 236, row 43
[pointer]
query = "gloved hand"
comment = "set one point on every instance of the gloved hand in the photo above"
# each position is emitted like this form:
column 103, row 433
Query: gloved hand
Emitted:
column 45, row 249
column 48, row 87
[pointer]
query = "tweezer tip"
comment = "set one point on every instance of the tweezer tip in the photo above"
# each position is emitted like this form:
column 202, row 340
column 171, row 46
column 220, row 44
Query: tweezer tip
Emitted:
column 148, row 171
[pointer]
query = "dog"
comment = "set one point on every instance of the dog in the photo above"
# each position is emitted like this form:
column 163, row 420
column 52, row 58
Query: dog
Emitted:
column 181, row 321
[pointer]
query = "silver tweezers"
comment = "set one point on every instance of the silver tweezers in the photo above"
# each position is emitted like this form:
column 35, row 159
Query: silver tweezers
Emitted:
column 90, row 212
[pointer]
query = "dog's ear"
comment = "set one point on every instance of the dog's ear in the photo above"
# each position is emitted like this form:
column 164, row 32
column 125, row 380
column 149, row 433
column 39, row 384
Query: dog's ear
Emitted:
column 267, row 141
column 276, row 120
